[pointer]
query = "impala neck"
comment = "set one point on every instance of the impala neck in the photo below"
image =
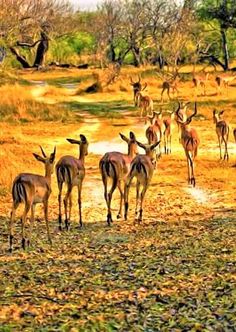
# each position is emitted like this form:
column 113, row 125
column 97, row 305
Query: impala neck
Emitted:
column 131, row 152
column 82, row 153
column 48, row 174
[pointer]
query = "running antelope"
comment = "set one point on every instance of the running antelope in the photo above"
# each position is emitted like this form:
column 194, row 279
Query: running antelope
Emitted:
column 199, row 81
column 190, row 142
column 145, row 104
column 142, row 167
column 115, row 165
column 137, row 87
column 168, row 123
column 71, row 171
column 223, row 81
column 31, row 189
column 222, row 131
column 155, row 132
column 167, row 86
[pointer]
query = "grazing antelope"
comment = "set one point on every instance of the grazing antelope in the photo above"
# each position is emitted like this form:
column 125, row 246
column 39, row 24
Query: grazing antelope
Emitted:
column 167, row 86
column 71, row 171
column 223, row 81
column 155, row 132
column 199, row 81
column 190, row 142
column 31, row 189
column 145, row 104
column 168, row 123
column 142, row 168
column 137, row 87
column 222, row 131
column 115, row 165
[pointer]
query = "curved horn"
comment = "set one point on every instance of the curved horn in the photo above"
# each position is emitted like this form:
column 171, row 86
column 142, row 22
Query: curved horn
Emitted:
column 189, row 119
column 43, row 153
column 131, row 80
column 139, row 78
column 145, row 85
column 177, row 111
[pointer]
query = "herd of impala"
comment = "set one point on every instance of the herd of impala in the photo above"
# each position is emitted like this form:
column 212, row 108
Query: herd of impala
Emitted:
column 120, row 168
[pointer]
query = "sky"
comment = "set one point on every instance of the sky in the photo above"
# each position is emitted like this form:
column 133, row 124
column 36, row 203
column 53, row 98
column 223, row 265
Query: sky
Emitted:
column 85, row 4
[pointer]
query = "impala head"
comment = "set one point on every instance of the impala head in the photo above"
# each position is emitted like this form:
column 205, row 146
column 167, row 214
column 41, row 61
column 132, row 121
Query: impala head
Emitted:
column 149, row 149
column 47, row 160
column 137, row 87
column 217, row 115
column 83, row 144
column 132, row 144
column 189, row 118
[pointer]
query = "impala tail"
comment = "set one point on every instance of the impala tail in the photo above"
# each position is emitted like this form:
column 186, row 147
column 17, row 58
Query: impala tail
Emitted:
column 63, row 174
column 19, row 192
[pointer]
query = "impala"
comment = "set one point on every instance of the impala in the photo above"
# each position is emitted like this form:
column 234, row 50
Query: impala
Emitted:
column 155, row 132
column 137, row 87
column 71, row 171
column 167, row 86
column 190, row 142
column 168, row 123
column 182, row 115
column 145, row 104
column 199, row 81
column 222, row 131
column 115, row 165
column 223, row 81
column 142, row 167
column 31, row 189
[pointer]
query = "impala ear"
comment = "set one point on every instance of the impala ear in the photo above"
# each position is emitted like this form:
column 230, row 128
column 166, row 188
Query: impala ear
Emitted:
column 39, row 158
column 132, row 136
column 83, row 138
column 214, row 112
column 153, row 146
column 124, row 138
column 73, row 141
column 221, row 112
column 141, row 145
column 52, row 156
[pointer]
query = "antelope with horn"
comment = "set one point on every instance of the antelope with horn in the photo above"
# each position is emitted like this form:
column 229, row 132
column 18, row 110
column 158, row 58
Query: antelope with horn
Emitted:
column 190, row 142
column 142, row 167
column 222, row 131
column 115, row 165
column 71, row 171
column 168, row 123
column 137, row 87
column 31, row 189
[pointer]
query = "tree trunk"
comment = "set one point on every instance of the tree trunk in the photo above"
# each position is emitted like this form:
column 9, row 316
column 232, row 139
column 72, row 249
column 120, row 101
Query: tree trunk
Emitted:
column 41, row 50
column 225, row 49
column 137, row 56
column 20, row 58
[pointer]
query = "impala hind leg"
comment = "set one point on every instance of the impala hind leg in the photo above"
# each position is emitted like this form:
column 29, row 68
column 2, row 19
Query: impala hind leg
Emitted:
column 226, row 155
column 31, row 224
column 23, row 222
column 60, row 185
column 143, row 192
column 119, row 185
column 11, row 223
column 66, row 199
column 126, row 194
column 137, row 197
column 45, row 206
column 79, row 203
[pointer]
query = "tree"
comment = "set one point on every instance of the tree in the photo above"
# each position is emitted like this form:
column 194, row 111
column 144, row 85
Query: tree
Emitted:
column 224, row 13
column 29, row 24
